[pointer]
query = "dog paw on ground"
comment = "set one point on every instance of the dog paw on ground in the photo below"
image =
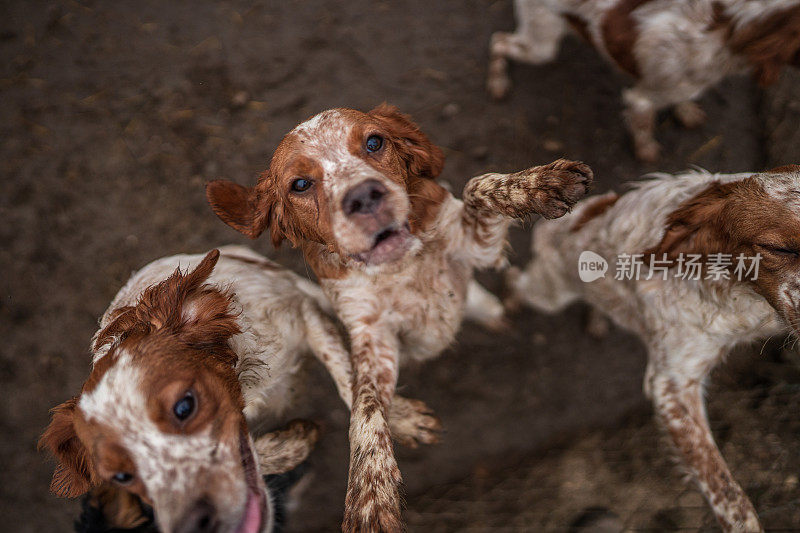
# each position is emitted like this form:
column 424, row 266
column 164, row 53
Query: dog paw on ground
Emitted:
column 413, row 423
column 550, row 190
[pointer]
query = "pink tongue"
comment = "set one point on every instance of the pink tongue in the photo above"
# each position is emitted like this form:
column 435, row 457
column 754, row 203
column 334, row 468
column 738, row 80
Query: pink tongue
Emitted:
column 252, row 516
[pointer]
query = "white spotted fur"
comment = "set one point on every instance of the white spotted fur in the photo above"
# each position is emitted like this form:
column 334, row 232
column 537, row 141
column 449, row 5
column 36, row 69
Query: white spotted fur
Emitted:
column 688, row 326
column 282, row 318
column 678, row 55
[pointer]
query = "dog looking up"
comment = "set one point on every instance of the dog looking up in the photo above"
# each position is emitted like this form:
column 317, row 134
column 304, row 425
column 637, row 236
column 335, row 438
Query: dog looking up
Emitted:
column 688, row 299
column 393, row 250
column 184, row 364
column 675, row 50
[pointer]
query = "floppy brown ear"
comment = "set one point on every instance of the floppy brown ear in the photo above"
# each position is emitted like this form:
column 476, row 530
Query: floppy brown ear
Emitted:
column 121, row 509
column 74, row 474
column 784, row 169
column 423, row 158
column 201, row 272
column 200, row 315
column 696, row 226
column 207, row 320
column 242, row 208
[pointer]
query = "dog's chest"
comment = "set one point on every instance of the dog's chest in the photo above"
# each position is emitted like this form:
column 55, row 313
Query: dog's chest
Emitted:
column 421, row 303
column 430, row 305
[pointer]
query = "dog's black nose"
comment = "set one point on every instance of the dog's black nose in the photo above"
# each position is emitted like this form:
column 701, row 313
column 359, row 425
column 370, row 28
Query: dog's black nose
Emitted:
column 200, row 518
column 364, row 198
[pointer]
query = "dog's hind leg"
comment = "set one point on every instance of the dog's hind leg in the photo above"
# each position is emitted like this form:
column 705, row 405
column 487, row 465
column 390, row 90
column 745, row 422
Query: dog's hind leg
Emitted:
column 541, row 286
column 536, row 40
column 484, row 308
column 640, row 117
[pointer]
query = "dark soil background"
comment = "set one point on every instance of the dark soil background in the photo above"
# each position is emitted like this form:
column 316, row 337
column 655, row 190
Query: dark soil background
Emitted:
column 114, row 114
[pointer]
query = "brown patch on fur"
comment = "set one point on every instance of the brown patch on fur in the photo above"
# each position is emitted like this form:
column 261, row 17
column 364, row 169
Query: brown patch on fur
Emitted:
column 422, row 158
column 784, row 169
column 697, row 225
column 426, row 200
column 123, row 320
column 580, row 26
column 107, row 455
column 267, row 205
column 719, row 18
column 323, row 264
column 619, row 33
column 769, row 43
column 596, row 207
column 734, row 218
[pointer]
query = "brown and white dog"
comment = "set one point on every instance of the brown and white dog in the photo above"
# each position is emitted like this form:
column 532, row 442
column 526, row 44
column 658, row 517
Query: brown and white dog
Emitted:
column 393, row 250
column 689, row 323
column 184, row 365
column 675, row 49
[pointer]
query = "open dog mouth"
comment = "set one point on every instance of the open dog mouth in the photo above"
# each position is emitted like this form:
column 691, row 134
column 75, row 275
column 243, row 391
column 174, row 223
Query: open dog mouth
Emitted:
column 255, row 511
column 389, row 244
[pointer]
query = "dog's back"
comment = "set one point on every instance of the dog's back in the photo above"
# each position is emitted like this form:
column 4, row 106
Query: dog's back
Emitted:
column 614, row 233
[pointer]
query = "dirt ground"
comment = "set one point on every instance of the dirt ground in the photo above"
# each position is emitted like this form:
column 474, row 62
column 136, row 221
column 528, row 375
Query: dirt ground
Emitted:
column 113, row 115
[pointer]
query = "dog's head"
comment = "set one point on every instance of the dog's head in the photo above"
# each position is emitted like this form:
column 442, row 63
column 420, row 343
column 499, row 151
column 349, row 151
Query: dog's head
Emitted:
column 343, row 179
column 161, row 413
column 755, row 216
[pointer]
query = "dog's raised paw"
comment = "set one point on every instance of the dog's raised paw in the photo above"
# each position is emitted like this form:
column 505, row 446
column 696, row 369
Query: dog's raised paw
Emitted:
column 558, row 186
column 413, row 423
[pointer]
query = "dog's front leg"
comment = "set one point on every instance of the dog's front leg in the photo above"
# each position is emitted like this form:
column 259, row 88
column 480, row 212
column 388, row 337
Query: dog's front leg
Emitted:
column 411, row 421
column 491, row 201
column 373, row 497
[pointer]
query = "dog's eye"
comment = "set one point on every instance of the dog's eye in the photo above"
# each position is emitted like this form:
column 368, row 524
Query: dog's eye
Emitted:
column 374, row 143
column 123, row 478
column 301, row 184
column 184, row 407
column 779, row 250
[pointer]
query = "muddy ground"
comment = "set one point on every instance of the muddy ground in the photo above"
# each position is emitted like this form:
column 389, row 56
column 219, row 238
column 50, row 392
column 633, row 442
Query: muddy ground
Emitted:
column 113, row 115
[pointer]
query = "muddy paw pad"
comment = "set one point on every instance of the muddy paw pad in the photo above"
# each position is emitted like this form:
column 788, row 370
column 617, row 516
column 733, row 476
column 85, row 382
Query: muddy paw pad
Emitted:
column 559, row 186
column 413, row 423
